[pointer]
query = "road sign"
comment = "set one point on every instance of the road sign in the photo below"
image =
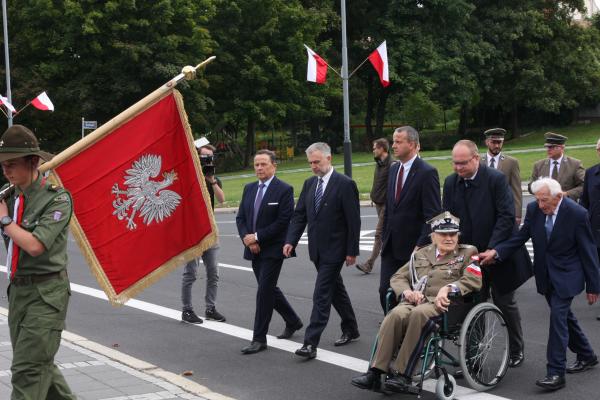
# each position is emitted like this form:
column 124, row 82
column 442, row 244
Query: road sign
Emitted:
column 90, row 124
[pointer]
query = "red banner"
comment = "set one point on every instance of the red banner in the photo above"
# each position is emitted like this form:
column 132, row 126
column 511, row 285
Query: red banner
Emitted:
column 141, row 207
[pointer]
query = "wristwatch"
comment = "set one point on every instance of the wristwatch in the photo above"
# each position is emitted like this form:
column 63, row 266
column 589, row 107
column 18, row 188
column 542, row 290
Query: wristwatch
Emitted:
column 5, row 221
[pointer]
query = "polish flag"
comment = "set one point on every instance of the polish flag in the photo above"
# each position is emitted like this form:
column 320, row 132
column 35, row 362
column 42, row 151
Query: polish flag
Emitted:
column 379, row 59
column 7, row 104
column 42, row 102
column 317, row 67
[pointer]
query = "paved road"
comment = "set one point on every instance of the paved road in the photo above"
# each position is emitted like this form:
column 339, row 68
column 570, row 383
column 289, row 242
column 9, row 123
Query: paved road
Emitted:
column 149, row 329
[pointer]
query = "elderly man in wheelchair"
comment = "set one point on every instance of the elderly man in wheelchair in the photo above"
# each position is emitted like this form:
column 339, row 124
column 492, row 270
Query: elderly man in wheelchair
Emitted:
column 421, row 287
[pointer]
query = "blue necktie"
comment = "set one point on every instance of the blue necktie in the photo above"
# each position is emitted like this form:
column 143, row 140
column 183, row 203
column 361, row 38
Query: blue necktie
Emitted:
column 549, row 226
column 319, row 195
column 257, row 202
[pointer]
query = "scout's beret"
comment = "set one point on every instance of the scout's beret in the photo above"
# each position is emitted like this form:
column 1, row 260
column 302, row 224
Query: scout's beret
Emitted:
column 495, row 133
column 444, row 223
column 554, row 138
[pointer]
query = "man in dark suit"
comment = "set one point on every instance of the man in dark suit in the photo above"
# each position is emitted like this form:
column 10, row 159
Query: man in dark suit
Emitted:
column 565, row 262
column 329, row 205
column 262, row 221
column 413, row 198
column 590, row 199
column 481, row 198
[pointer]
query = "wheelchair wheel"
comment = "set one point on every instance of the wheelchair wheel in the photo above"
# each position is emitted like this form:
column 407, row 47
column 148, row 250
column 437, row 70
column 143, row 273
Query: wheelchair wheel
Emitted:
column 445, row 390
column 483, row 347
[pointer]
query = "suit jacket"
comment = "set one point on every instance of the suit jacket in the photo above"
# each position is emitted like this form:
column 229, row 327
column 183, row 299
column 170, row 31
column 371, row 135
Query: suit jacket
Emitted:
column 334, row 229
column 272, row 221
column 404, row 224
column 568, row 260
column 570, row 175
column 487, row 218
column 509, row 166
column 590, row 199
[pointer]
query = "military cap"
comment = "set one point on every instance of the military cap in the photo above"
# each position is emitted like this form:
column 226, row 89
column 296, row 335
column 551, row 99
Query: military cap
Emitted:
column 444, row 223
column 554, row 139
column 495, row 133
column 18, row 141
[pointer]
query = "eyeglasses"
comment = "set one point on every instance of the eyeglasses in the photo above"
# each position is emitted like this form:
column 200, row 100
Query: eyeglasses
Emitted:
column 462, row 163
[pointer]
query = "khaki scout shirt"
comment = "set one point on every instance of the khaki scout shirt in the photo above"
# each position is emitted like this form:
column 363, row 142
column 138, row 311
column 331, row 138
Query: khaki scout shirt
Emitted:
column 46, row 215
column 456, row 268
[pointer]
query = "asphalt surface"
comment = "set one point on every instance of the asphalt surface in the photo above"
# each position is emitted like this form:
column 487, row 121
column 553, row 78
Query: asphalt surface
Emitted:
column 215, row 358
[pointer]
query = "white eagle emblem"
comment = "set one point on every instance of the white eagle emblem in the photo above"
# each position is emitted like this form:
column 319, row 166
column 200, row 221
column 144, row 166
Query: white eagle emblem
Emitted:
column 145, row 196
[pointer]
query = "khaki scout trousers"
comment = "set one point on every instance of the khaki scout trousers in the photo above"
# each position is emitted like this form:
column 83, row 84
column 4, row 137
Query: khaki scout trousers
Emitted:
column 36, row 318
column 406, row 326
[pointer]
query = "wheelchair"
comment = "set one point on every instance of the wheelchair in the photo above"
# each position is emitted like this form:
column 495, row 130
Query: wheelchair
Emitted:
column 479, row 332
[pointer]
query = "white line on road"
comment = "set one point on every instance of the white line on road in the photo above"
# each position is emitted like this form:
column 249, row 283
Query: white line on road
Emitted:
column 330, row 357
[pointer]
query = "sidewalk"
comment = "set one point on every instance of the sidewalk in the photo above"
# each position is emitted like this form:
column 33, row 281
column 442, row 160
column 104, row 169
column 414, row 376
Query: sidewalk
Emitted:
column 97, row 372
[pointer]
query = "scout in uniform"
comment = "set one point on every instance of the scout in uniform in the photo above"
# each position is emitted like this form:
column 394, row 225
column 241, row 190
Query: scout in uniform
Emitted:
column 422, row 287
column 568, row 171
column 34, row 221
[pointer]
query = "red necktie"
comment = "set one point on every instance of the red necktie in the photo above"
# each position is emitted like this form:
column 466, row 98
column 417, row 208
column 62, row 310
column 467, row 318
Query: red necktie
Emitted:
column 15, row 255
column 399, row 183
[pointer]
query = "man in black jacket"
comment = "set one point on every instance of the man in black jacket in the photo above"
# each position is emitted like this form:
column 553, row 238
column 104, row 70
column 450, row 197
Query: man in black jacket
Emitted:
column 481, row 198
column 413, row 198
column 329, row 205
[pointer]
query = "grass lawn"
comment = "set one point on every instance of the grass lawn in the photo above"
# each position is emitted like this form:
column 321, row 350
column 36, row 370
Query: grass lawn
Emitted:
column 233, row 183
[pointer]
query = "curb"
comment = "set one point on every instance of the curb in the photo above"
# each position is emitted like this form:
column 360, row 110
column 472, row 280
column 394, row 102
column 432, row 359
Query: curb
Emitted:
column 184, row 384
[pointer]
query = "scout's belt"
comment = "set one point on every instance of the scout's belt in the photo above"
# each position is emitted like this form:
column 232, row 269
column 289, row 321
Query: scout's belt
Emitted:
column 26, row 280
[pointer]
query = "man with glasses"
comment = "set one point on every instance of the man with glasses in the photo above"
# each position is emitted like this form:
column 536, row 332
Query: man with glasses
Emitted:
column 568, row 171
column 590, row 199
column 509, row 166
column 480, row 197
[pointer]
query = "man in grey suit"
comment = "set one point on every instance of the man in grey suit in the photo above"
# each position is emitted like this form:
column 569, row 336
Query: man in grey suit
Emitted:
column 568, row 171
column 509, row 166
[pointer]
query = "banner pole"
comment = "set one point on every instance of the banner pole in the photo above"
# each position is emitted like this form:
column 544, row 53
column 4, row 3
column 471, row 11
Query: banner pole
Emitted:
column 188, row 72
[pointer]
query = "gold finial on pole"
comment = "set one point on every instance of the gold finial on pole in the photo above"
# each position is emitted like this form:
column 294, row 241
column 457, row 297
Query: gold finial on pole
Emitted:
column 189, row 72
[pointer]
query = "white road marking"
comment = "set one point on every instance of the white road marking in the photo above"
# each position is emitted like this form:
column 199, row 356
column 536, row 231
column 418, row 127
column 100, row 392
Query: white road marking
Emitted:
column 330, row 357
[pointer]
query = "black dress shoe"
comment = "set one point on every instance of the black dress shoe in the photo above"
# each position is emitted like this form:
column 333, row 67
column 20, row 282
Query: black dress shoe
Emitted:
column 598, row 317
column 516, row 360
column 307, row 351
column 370, row 381
column 289, row 331
column 552, row 382
column 346, row 338
column 397, row 383
column 254, row 347
column 581, row 365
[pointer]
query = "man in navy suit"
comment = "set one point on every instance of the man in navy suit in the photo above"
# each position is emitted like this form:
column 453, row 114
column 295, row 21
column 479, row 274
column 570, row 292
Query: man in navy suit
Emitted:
column 590, row 199
column 481, row 198
column 413, row 198
column 329, row 205
column 262, row 222
column 565, row 262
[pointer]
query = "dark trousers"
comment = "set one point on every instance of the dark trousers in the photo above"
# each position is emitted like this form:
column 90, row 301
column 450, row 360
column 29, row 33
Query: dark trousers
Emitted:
column 389, row 266
column 564, row 332
column 269, row 297
column 510, row 311
column 329, row 290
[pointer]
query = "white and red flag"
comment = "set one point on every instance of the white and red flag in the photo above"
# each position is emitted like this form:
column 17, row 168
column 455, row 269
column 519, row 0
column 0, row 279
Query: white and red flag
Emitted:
column 42, row 102
column 7, row 104
column 379, row 59
column 316, row 71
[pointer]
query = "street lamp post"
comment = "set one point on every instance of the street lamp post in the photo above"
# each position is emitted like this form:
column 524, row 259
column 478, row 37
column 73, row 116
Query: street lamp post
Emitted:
column 6, row 60
column 347, row 142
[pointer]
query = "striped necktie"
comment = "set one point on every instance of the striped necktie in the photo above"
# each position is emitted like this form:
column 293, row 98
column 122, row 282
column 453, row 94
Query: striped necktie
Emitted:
column 319, row 195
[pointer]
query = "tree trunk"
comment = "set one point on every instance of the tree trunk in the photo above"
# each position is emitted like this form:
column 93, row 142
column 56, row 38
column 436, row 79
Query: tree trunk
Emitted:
column 369, row 113
column 514, row 121
column 250, row 146
column 315, row 132
column 463, row 124
column 381, row 112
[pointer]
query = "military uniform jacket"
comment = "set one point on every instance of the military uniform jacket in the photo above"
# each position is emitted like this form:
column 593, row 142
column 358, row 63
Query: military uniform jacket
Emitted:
column 46, row 214
column 570, row 175
column 460, row 268
column 509, row 166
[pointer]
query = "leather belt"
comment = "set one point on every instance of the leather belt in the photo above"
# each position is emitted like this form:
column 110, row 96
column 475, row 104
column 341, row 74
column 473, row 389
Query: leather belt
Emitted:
column 26, row 280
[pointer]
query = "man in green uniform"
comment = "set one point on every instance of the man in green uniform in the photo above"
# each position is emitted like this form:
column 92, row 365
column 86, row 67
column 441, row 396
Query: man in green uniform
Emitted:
column 421, row 287
column 34, row 222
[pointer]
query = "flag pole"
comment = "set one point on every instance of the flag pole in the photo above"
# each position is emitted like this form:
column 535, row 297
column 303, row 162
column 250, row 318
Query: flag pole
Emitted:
column 356, row 69
column 347, row 142
column 188, row 72
column 21, row 109
column 6, row 61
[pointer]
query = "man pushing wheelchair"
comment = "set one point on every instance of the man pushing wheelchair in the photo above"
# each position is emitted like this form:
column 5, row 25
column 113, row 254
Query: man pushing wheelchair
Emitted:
column 421, row 288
